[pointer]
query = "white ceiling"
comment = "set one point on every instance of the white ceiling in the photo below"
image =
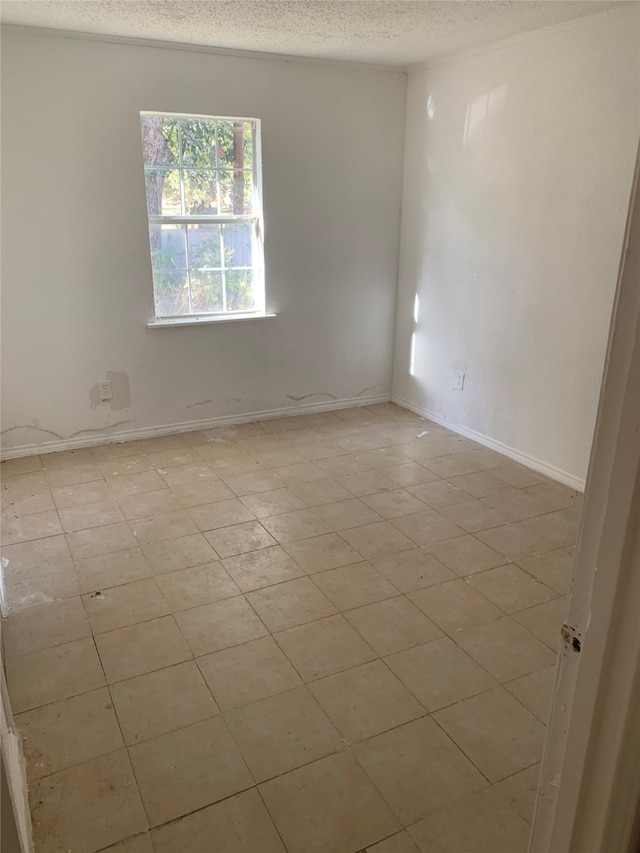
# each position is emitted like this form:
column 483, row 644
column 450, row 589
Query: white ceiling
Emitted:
column 388, row 32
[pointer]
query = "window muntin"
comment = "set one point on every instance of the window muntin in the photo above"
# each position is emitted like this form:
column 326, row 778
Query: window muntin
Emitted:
column 203, row 189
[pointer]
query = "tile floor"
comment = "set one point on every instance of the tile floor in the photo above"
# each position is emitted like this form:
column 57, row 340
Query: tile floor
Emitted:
column 324, row 634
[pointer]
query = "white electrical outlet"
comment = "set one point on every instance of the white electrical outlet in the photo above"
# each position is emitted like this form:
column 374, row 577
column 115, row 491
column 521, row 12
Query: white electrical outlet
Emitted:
column 460, row 382
column 104, row 391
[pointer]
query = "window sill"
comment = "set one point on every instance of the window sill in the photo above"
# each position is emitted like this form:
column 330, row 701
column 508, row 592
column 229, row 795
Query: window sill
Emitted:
column 206, row 321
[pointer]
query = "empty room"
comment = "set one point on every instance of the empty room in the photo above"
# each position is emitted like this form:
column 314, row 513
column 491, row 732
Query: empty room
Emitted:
column 311, row 311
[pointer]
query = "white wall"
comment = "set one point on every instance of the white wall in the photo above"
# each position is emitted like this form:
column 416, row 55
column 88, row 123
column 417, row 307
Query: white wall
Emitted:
column 518, row 169
column 76, row 277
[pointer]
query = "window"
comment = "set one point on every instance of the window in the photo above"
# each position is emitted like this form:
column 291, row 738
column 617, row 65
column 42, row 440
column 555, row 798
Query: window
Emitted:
column 202, row 178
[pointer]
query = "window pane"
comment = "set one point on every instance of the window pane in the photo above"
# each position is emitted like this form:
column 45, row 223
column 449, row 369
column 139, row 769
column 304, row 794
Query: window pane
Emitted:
column 204, row 246
column 167, row 247
column 236, row 193
column 163, row 192
column 238, row 245
column 198, row 143
column 206, row 291
column 171, row 292
column 200, row 192
column 240, row 294
column 159, row 141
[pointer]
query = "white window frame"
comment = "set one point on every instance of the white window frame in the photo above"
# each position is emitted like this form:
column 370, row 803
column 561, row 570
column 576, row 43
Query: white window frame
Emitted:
column 255, row 218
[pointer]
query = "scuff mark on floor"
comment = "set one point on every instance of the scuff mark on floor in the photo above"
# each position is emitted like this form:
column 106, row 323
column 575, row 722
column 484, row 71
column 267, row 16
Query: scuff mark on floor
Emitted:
column 307, row 396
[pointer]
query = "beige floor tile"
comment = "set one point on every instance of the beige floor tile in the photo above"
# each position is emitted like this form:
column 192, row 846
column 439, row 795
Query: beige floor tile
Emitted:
column 261, row 568
column 136, row 484
column 558, row 527
column 278, row 458
column 247, row 673
column 50, row 675
column 481, row 823
column 290, row 603
column 321, row 491
column 534, row 691
column 401, row 842
column 220, row 514
column 205, row 491
column 520, row 791
column 366, row 483
column 324, row 647
column 163, row 525
column 29, row 583
column 455, row 605
column 495, row 731
column 101, row 540
column 297, row 473
column 518, row 476
column 511, row 588
column 385, row 457
column 19, row 487
column 427, row 527
column 281, row 733
column 40, row 525
column 394, row 503
column 329, row 806
column 21, row 465
column 134, row 844
column 188, row 769
column 127, row 604
column 515, row 504
column 354, row 586
column 505, row 649
column 86, row 807
column 239, row 539
column 94, row 514
column 81, row 494
column 322, row 552
column 42, row 627
column 198, row 585
column 341, row 466
column 240, row 824
column 555, row 496
column 197, row 473
column 473, row 516
column 342, row 515
column 28, row 503
column 252, row 481
column 480, row 484
column 410, row 474
column 119, row 467
column 392, row 625
column 162, row 701
column 292, row 526
column 554, row 569
column 141, row 648
column 377, row 540
column 466, row 555
column 181, row 553
column 171, row 458
column 545, row 621
column 417, row 769
column 149, row 503
column 73, row 475
column 515, row 541
column 276, row 502
column 439, row 493
column 315, row 450
column 414, row 569
column 108, row 570
column 220, row 625
column 69, row 732
column 366, row 700
column 439, row 673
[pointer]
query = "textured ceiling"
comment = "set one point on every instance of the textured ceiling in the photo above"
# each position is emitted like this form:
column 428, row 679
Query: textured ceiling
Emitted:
column 390, row 32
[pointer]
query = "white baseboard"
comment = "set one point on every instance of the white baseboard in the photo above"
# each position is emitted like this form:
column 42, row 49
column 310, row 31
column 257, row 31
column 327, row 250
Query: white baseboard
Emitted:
column 105, row 436
column 517, row 455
